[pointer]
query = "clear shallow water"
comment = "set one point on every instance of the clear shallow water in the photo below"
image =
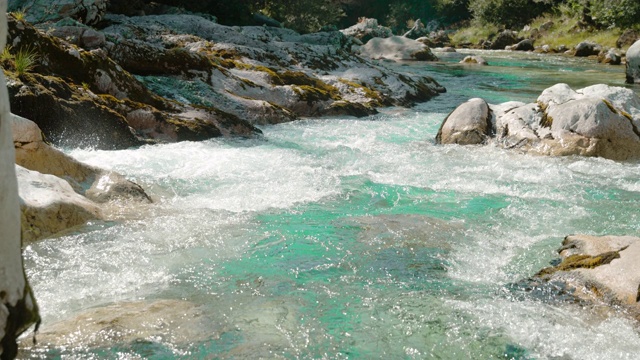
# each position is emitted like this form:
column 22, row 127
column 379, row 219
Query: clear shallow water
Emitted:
column 345, row 238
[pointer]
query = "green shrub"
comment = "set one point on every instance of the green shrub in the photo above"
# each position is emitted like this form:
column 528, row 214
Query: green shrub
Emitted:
column 25, row 60
column 510, row 13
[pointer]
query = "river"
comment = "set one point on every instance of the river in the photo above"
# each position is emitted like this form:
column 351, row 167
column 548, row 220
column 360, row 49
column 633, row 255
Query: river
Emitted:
column 346, row 238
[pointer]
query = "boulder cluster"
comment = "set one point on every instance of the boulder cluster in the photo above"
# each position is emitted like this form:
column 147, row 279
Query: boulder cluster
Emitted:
column 598, row 120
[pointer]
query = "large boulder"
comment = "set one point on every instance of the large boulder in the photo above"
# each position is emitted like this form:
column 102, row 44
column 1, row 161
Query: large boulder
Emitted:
column 367, row 29
column 397, row 48
column 105, row 111
column 261, row 74
column 633, row 64
column 587, row 48
column 37, row 11
column 599, row 269
column 598, row 120
column 627, row 38
column 18, row 309
column 58, row 192
column 504, row 39
column 468, row 124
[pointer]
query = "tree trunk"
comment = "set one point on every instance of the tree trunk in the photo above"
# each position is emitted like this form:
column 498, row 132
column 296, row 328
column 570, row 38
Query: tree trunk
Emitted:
column 18, row 309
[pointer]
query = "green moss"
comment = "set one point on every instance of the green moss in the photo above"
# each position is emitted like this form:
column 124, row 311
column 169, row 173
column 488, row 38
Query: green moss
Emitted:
column 581, row 261
column 368, row 92
column 546, row 120
column 312, row 94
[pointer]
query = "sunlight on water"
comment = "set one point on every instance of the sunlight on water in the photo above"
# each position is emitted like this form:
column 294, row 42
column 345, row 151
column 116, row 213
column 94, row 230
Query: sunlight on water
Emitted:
column 336, row 239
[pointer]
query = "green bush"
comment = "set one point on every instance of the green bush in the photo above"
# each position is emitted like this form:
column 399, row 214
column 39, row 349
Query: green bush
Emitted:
column 510, row 13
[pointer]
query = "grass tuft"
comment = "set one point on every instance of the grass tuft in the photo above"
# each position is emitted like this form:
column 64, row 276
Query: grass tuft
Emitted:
column 25, row 60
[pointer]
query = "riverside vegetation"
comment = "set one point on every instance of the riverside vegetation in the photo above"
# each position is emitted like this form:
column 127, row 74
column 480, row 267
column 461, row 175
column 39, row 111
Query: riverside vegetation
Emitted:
column 122, row 75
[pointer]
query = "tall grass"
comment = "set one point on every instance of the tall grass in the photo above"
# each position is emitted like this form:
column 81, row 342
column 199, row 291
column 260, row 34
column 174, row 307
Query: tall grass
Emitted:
column 25, row 60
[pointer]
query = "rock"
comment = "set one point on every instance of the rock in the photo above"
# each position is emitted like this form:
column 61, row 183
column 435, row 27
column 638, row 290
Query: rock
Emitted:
column 264, row 75
column 83, row 37
column 504, row 39
column 598, row 120
column 57, row 191
column 99, row 114
column 627, row 38
column 175, row 321
column 610, row 57
column 367, row 29
column 547, row 26
column 261, row 19
column 633, row 64
column 474, row 59
column 418, row 30
column 600, row 269
column 49, row 205
column 524, row 45
column 468, row 124
column 397, row 48
column 546, row 48
column 18, row 308
column 587, row 48
column 88, row 12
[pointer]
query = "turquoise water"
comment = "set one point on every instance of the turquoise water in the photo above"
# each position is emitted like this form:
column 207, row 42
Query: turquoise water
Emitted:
column 344, row 239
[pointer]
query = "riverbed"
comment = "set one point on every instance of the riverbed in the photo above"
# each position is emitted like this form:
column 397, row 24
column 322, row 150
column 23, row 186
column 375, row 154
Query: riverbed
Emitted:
column 344, row 238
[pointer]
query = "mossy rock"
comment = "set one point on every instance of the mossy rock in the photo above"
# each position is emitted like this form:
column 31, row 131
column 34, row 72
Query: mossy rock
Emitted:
column 581, row 261
column 68, row 116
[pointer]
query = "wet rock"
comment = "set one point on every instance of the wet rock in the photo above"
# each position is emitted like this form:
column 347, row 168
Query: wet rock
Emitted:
column 72, row 189
column 627, row 38
column 367, row 29
column 504, row 39
column 610, row 57
column 261, row 19
column 587, row 48
column 38, row 11
column 474, row 59
column 633, row 64
column 600, row 269
column 50, row 205
column 594, row 121
column 468, row 124
column 97, row 114
column 174, row 321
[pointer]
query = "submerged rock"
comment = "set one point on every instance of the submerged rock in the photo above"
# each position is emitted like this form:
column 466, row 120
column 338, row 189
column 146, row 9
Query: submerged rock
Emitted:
column 474, row 59
column 598, row 120
column 174, row 321
column 600, row 269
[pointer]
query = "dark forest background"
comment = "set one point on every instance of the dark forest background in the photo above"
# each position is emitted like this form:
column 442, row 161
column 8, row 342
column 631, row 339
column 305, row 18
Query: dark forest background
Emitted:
column 314, row 15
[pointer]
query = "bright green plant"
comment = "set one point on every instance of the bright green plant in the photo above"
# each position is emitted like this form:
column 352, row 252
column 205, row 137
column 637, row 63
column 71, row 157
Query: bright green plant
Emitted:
column 18, row 15
column 25, row 60
column 6, row 55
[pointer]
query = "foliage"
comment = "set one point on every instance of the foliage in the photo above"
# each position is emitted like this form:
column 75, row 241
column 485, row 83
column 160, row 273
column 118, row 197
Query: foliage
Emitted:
column 18, row 15
column 25, row 60
column 304, row 15
column 510, row 13
column 474, row 33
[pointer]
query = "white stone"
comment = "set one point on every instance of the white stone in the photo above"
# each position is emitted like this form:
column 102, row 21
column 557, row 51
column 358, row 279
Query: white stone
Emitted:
column 394, row 47
column 633, row 63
